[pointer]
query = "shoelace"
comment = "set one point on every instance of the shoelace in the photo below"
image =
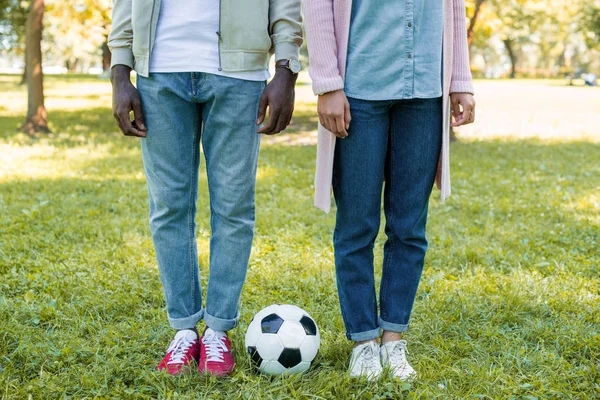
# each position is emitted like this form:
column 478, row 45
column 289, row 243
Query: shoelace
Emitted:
column 397, row 355
column 215, row 347
column 370, row 357
column 179, row 347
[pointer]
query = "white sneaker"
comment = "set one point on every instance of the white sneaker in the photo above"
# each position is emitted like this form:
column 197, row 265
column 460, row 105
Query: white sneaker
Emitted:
column 393, row 354
column 365, row 361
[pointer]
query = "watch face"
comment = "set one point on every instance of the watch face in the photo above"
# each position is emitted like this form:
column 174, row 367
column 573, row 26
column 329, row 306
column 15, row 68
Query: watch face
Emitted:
column 295, row 66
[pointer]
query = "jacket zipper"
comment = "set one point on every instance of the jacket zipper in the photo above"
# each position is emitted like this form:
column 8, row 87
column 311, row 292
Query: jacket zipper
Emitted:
column 219, row 35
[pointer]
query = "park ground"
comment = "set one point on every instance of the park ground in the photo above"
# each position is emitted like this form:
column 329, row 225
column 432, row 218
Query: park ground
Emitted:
column 508, row 306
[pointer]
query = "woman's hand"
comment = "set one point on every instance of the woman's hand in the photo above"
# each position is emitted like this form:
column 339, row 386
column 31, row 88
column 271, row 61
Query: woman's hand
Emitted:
column 334, row 113
column 463, row 109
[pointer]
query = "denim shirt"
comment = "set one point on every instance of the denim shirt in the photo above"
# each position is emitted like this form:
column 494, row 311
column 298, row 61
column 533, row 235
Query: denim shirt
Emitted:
column 395, row 50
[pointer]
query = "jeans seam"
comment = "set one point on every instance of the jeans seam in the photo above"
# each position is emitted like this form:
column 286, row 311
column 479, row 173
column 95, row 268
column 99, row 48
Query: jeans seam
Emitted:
column 388, row 200
column 191, row 207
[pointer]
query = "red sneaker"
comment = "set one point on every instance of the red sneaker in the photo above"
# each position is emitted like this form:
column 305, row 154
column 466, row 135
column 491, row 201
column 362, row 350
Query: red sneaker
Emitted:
column 215, row 354
column 184, row 349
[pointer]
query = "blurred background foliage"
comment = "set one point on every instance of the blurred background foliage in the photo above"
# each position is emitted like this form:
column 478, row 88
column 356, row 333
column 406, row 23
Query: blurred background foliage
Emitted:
column 508, row 38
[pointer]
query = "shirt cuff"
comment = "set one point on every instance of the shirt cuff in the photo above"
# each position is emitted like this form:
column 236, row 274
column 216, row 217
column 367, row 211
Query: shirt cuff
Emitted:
column 328, row 85
column 121, row 56
column 462, row 87
column 286, row 50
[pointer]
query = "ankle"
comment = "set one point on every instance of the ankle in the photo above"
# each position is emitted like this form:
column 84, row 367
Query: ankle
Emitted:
column 360, row 342
column 194, row 329
column 218, row 333
column 389, row 336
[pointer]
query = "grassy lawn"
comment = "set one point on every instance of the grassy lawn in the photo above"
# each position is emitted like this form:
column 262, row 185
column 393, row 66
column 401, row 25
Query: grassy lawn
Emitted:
column 508, row 306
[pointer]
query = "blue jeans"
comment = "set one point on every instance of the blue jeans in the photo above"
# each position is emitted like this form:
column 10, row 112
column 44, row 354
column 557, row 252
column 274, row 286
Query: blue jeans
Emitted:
column 182, row 109
column 397, row 142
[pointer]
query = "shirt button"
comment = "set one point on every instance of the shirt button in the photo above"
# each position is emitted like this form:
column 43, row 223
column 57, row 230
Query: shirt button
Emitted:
column 410, row 24
column 409, row 55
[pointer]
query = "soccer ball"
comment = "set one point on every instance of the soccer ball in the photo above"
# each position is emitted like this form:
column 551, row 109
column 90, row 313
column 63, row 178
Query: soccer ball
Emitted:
column 282, row 339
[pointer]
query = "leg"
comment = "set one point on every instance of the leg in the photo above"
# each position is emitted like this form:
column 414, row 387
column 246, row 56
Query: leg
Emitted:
column 231, row 146
column 415, row 141
column 357, row 183
column 171, row 155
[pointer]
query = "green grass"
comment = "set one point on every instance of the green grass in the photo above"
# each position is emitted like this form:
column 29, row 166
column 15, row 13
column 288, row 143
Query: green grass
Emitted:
column 508, row 306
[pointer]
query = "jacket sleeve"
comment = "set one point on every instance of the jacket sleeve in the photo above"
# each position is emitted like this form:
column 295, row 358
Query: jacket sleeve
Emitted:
column 285, row 28
column 121, row 35
column 322, row 47
column 462, row 81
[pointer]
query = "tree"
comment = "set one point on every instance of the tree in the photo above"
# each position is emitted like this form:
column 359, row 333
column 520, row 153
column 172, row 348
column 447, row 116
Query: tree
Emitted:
column 590, row 23
column 36, row 120
column 13, row 15
column 477, row 4
column 79, row 31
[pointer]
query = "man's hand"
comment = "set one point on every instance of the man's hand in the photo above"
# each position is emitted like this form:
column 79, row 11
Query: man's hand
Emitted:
column 463, row 109
column 125, row 99
column 279, row 96
column 334, row 113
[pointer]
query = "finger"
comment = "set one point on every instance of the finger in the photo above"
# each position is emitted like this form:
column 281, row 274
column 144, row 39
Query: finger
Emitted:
column 262, row 109
column 341, row 128
column 269, row 126
column 328, row 125
column 138, row 115
column 128, row 127
column 456, row 109
column 281, row 122
column 117, row 117
column 461, row 120
column 334, row 127
column 289, row 121
column 347, row 116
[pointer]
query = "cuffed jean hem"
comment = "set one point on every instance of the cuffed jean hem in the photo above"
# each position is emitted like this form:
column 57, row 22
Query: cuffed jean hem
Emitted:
column 360, row 336
column 187, row 322
column 391, row 327
column 219, row 324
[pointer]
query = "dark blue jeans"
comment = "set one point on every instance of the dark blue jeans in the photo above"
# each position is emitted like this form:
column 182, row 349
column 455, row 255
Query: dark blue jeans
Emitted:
column 396, row 142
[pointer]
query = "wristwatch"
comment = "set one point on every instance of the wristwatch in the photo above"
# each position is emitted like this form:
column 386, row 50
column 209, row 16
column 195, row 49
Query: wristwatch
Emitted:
column 292, row 64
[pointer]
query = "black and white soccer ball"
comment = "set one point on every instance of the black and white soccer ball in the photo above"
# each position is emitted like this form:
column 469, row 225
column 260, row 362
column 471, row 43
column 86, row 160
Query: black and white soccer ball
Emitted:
column 282, row 339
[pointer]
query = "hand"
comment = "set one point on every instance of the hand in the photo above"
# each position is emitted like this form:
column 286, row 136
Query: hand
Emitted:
column 279, row 96
column 334, row 113
column 125, row 99
column 463, row 109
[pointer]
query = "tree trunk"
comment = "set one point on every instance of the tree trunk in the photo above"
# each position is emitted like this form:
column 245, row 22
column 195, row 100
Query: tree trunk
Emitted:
column 473, row 20
column 513, row 57
column 36, row 111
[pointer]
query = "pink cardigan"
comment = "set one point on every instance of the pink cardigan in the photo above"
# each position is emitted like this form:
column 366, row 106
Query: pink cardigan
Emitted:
column 327, row 26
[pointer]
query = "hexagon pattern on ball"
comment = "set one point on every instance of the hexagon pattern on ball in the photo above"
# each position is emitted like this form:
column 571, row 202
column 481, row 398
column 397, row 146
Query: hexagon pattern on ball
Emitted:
column 291, row 335
column 282, row 339
column 269, row 346
column 271, row 323
column 310, row 348
column 289, row 358
column 254, row 356
column 310, row 328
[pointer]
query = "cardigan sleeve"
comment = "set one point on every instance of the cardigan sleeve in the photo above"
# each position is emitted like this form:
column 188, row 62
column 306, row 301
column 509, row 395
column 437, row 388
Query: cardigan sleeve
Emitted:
column 322, row 47
column 462, row 81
